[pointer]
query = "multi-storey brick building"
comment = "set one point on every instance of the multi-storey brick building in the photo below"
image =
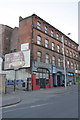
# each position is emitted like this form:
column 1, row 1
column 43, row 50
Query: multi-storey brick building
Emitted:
column 46, row 47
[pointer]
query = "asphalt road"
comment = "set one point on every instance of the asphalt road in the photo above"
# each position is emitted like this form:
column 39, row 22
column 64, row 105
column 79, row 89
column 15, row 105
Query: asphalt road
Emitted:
column 63, row 105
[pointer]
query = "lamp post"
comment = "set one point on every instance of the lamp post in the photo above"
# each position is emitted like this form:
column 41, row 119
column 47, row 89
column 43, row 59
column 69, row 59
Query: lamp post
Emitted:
column 3, row 58
column 64, row 60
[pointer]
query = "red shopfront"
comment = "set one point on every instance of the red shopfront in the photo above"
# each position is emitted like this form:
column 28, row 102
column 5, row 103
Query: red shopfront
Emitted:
column 41, row 79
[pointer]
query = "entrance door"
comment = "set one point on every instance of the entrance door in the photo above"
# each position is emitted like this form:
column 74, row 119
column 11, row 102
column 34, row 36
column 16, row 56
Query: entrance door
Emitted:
column 42, row 83
column 58, row 80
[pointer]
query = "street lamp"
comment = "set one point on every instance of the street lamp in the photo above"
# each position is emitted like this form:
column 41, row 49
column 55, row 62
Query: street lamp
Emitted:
column 64, row 60
column 3, row 58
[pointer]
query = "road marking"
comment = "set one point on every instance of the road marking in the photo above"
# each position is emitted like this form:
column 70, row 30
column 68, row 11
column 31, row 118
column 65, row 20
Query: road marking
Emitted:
column 25, row 108
column 9, row 106
column 38, row 105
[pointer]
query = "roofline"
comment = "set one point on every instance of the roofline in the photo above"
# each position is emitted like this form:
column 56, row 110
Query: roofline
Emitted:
column 49, row 25
column 6, row 26
column 55, row 28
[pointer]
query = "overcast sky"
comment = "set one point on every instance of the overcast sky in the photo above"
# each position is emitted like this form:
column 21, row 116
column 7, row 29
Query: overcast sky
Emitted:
column 62, row 14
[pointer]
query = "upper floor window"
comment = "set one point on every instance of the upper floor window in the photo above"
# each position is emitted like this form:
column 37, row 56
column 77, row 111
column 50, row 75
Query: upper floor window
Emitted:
column 53, row 60
column 39, row 39
column 72, row 46
column 59, row 62
column 58, row 48
column 62, row 38
column 74, row 55
column 46, row 43
column 69, row 43
column 75, row 47
column 66, row 42
column 67, row 52
column 39, row 55
column 72, row 65
column 38, row 25
column 57, row 36
column 53, row 46
column 70, row 54
column 46, row 58
column 46, row 29
column 75, row 66
column 52, row 33
column 68, row 64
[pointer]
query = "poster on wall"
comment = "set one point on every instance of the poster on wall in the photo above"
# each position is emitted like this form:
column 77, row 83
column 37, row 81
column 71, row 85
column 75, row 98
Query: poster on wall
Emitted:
column 17, row 60
column 24, row 46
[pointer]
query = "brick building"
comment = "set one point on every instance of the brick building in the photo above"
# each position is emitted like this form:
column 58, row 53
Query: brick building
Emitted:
column 46, row 52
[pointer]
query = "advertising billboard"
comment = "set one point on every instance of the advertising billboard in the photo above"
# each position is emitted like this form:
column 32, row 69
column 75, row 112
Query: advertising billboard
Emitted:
column 17, row 60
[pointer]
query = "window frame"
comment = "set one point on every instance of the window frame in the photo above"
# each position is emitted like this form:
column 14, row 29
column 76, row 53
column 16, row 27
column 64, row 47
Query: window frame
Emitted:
column 38, row 25
column 46, row 43
column 47, row 58
column 39, row 56
column 39, row 40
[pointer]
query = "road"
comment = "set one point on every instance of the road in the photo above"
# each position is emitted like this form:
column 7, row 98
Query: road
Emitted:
column 49, row 105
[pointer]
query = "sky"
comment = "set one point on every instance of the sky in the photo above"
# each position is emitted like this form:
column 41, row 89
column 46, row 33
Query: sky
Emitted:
column 62, row 14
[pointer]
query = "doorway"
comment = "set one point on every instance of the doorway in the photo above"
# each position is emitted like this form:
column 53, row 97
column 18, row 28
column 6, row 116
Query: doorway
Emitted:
column 58, row 80
column 42, row 83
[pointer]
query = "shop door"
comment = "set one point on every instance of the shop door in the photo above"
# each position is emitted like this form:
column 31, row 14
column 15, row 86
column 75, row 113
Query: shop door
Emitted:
column 42, row 83
column 58, row 80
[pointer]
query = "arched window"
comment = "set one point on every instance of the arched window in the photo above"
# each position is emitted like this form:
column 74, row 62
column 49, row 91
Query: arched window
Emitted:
column 39, row 56
column 46, row 58
column 39, row 40
column 53, row 60
column 38, row 25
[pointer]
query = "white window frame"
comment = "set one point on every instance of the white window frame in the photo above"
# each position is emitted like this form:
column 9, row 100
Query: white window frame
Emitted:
column 38, row 39
column 46, row 43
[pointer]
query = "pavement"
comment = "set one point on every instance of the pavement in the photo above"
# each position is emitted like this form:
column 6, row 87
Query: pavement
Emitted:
column 12, row 98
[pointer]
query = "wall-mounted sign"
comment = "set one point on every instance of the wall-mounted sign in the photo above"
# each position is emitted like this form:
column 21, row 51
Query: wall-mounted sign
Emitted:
column 54, row 70
column 24, row 46
column 17, row 60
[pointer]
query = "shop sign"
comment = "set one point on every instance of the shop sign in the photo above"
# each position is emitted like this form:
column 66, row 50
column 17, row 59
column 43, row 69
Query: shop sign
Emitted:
column 54, row 70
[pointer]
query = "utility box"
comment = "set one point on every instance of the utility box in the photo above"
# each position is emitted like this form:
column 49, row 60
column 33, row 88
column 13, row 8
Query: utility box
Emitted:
column 2, row 83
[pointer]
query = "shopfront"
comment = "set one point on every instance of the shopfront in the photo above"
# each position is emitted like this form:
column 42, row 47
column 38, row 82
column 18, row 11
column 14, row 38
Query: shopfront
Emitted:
column 57, row 76
column 41, row 77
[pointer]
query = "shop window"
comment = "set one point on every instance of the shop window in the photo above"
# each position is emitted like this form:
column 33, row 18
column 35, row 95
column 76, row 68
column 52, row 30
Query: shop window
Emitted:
column 39, row 55
column 38, row 25
column 47, row 81
column 39, row 40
